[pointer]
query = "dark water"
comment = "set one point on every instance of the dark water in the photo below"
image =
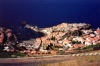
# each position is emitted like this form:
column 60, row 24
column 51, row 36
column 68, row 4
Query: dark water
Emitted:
column 49, row 12
column 45, row 13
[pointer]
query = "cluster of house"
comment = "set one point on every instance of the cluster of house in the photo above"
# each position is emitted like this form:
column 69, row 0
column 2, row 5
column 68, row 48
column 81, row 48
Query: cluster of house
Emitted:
column 89, row 37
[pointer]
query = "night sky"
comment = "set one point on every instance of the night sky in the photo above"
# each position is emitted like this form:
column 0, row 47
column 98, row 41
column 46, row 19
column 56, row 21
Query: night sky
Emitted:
column 46, row 13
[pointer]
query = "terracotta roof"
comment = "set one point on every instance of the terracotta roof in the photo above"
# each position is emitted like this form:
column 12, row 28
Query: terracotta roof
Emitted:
column 60, row 44
column 96, row 38
column 81, row 45
column 91, row 39
column 66, row 41
column 75, row 46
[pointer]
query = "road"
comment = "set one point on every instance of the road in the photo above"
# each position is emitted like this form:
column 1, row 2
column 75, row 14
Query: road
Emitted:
column 33, row 61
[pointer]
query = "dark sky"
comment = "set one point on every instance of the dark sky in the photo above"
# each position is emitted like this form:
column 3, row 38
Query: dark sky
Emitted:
column 45, row 13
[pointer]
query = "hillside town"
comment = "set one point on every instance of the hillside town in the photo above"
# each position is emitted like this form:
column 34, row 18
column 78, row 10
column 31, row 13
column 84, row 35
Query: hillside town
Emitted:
column 66, row 36
column 63, row 37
